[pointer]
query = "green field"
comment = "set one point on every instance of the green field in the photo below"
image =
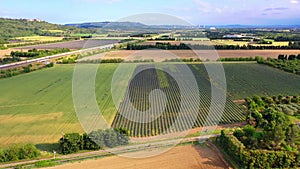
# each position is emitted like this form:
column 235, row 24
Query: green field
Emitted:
column 38, row 107
column 246, row 80
column 180, row 111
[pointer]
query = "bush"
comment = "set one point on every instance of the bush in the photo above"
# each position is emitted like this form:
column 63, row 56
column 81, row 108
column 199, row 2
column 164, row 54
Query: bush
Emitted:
column 19, row 152
column 256, row 158
column 71, row 143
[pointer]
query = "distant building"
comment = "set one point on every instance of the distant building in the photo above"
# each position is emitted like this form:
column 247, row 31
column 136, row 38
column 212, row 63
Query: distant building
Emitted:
column 36, row 20
column 233, row 36
column 239, row 36
column 213, row 28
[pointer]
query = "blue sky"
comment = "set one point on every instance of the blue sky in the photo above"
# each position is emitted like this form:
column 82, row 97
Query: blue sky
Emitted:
column 266, row 12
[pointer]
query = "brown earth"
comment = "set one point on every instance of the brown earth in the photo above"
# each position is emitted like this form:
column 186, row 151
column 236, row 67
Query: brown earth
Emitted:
column 6, row 52
column 186, row 157
column 160, row 55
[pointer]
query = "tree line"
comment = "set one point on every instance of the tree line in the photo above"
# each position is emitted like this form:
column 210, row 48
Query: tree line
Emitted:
column 6, row 73
column 289, row 63
column 270, row 140
column 73, row 142
column 232, row 59
column 116, row 60
column 183, row 46
column 38, row 53
column 252, row 159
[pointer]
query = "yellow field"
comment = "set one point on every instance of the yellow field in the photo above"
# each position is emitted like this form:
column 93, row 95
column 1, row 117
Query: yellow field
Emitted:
column 229, row 42
column 40, row 38
column 273, row 44
column 54, row 31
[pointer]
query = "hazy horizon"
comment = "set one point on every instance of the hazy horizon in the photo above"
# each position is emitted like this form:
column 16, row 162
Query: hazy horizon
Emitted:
column 196, row 12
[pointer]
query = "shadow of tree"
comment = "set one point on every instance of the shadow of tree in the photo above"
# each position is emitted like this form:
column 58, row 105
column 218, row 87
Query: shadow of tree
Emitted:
column 49, row 147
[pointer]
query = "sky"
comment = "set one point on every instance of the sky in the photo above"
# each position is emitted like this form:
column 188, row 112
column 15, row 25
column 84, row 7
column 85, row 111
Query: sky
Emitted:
column 196, row 12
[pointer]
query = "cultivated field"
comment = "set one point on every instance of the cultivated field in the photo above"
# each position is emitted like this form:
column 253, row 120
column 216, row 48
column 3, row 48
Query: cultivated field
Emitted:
column 246, row 80
column 38, row 107
column 159, row 55
column 149, row 78
column 39, row 38
column 229, row 42
column 215, row 42
column 79, row 44
column 189, row 156
column 178, row 42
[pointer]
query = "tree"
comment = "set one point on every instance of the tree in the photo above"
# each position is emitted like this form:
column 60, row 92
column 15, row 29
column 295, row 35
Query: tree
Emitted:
column 89, row 143
column 292, row 57
column 110, row 138
column 275, row 126
column 12, row 153
column 280, row 57
column 293, row 136
column 98, row 138
column 28, row 151
column 71, row 143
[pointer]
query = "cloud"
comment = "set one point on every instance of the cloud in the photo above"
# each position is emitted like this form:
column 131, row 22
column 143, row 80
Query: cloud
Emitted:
column 276, row 9
column 203, row 6
column 99, row 1
column 294, row 1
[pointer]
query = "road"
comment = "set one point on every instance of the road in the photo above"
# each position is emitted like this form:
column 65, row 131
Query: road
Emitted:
column 27, row 62
column 118, row 150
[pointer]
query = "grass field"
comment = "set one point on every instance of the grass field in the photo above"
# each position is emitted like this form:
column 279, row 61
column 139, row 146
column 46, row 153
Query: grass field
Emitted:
column 37, row 107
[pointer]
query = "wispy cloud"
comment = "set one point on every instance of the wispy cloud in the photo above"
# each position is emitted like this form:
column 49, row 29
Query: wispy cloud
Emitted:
column 294, row 1
column 99, row 1
column 276, row 9
column 203, row 6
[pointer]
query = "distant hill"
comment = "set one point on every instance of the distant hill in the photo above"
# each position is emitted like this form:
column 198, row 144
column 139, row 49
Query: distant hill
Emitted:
column 10, row 28
column 136, row 25
column 111, row 25
column 237, row 26
column 124, row 25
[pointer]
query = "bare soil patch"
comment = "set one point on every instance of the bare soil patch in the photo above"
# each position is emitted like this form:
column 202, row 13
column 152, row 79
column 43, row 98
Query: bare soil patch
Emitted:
column 189, row 156
column 6, row 52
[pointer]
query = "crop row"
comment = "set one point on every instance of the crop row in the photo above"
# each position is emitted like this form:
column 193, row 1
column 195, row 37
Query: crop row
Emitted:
column 175, row 111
